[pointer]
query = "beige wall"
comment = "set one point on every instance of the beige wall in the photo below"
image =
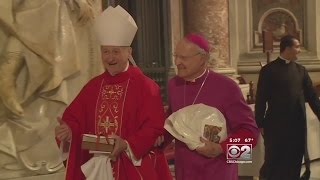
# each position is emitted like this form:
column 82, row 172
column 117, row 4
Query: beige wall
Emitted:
column 246, row 60
column 242, row 58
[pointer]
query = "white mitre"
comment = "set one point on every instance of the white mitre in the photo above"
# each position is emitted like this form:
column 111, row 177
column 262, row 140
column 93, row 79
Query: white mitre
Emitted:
column 115, row 27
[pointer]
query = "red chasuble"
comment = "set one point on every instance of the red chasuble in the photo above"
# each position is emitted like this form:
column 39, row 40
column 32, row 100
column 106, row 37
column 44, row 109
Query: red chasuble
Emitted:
column 128, row 105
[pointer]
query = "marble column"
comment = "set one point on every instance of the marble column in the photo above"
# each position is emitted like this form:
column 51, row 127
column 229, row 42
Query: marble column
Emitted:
column 177, row 30
column 210, row 18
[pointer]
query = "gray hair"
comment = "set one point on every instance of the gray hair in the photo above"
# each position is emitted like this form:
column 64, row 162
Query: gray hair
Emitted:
column 203, row 52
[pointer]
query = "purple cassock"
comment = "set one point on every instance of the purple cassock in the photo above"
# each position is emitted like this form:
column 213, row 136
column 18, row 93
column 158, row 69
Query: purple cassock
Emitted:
column 223, row 93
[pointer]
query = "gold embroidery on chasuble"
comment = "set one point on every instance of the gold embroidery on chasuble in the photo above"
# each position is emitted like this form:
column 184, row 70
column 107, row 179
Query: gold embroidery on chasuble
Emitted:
column 110, row 108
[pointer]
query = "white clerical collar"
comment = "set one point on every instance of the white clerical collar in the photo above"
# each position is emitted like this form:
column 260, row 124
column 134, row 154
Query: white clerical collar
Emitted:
column 126, row 69
column 286, row 60
column 194, row 80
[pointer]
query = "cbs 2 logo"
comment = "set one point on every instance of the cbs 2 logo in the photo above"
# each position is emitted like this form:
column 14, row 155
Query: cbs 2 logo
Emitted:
column 239, row 151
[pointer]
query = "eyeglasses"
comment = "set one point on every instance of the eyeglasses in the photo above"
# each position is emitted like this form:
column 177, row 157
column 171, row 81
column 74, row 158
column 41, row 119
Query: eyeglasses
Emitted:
column 185, row 57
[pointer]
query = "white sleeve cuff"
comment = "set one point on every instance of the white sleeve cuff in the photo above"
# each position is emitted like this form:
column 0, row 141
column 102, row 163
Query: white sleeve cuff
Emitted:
column 135, row 161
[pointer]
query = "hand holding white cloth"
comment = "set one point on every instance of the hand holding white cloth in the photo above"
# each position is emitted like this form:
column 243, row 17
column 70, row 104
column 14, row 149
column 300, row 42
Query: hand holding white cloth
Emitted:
column 98, row 168
column 189, row 123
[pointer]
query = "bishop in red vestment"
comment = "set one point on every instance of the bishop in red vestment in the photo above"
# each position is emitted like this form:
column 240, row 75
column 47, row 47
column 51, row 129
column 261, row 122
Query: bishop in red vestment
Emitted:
column 122, row 102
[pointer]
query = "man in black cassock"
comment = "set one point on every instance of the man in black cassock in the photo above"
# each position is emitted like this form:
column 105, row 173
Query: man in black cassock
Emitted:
column 283, row 88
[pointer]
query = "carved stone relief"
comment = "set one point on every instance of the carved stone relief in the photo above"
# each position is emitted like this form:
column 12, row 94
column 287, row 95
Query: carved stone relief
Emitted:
column 282, row 17
column 280, row 22
column 48, row 52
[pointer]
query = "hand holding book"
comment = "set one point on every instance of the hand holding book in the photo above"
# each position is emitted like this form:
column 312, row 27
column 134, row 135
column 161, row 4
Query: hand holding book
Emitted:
column 113, row 144
column 119, row 146
column 94, row 143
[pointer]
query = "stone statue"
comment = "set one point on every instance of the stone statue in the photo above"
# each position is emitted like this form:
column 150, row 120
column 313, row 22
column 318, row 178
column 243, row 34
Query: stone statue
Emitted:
column 47, row 53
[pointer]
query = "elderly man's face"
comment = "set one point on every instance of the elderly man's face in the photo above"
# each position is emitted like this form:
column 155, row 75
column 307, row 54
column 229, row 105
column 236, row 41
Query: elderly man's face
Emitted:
column 189, row 60
column 115, row 58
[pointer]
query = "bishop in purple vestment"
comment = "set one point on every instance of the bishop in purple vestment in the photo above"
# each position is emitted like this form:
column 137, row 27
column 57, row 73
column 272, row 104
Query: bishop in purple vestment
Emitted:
column 195, row 84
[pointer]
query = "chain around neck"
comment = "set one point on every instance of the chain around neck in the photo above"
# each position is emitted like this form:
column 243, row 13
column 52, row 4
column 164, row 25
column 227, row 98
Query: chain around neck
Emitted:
column 196, row 97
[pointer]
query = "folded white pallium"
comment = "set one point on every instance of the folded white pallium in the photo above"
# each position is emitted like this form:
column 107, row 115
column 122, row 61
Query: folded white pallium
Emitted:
column 98, row 168
column 192, row 122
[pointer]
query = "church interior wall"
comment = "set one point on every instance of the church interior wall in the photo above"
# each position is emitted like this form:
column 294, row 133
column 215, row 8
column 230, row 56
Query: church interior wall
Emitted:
column 245, row 51
column 244, row 22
